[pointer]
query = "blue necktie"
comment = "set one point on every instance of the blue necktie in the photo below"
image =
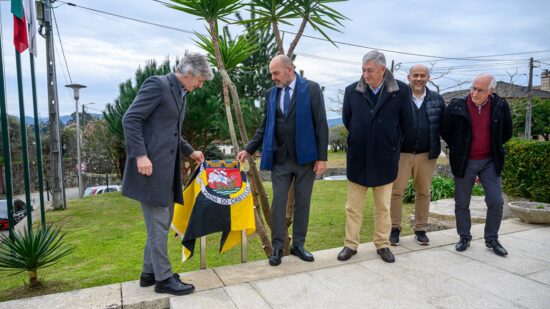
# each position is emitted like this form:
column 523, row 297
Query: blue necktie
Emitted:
column 286, row 100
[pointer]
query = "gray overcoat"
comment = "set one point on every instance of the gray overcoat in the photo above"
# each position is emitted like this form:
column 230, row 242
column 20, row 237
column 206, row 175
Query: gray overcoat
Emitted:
column 152, row 127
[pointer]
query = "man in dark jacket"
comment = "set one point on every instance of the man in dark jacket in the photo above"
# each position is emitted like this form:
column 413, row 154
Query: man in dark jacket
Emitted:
column 294, row 139
column 420, row 149
column 476, row 128
column 152, row 132
column 376, row 112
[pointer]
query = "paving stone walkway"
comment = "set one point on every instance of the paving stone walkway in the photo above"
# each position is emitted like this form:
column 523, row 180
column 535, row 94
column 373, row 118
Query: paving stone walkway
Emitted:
column 434, row 276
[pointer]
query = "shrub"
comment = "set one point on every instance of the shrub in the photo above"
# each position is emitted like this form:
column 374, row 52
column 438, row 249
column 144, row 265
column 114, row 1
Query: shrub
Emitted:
column 29, row 251
column 442, row 188
column 526, row 170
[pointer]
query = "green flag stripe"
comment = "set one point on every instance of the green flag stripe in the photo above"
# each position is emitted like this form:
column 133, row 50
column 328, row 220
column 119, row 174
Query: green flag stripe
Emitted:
column 17, row 8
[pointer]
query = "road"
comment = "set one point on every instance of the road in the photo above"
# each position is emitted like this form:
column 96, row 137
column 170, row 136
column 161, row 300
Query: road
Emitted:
column 70, row 193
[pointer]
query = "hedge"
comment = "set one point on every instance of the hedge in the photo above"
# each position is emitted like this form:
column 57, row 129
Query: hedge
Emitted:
column 442, row 188
column 527, row 170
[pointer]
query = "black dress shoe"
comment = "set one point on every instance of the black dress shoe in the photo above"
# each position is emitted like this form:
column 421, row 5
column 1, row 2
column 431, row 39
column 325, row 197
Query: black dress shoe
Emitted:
column 173, row 286
column 462, row 244
column 498, row 249
column 302, row 253
column 386, row 255
column 346, row 254
column 147, row 279
column 275, row 258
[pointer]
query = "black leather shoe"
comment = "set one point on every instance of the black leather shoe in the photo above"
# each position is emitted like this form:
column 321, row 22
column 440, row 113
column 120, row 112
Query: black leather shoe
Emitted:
column 462, row 244
column 147, row 279
column 386, row 255
column 275, row 258
column 173, row 286
column 346, row 254
column 498, row 249
column 302, row 253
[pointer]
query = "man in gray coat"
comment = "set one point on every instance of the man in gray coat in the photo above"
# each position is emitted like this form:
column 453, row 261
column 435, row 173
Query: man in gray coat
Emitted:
column 152, row 131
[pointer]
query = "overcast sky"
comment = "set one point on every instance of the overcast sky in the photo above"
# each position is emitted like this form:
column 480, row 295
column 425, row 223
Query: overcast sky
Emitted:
column 103, row 51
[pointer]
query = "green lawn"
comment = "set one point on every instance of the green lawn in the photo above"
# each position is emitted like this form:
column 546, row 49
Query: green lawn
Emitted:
column 108, row 234
column 336, row 159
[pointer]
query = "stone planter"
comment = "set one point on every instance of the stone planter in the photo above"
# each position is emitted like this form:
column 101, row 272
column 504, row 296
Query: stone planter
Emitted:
column 531, row 212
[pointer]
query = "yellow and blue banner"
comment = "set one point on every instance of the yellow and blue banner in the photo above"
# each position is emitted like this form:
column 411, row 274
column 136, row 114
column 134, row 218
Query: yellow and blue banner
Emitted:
column 217, row 198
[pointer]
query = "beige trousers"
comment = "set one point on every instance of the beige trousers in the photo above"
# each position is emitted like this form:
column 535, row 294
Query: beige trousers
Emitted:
column 421, row 168
column 354, row 215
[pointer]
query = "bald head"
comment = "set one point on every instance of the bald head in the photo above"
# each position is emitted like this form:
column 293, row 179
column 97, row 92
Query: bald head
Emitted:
column 282, row 70
column 419, row 67
column 418, row 77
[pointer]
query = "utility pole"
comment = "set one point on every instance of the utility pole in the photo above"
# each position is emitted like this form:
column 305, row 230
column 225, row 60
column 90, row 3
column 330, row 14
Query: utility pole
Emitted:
column 44, row 16
column 529, row 102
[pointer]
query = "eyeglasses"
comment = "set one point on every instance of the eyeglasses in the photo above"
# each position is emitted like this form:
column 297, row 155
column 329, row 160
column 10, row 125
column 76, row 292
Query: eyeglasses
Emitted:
column 479, row 90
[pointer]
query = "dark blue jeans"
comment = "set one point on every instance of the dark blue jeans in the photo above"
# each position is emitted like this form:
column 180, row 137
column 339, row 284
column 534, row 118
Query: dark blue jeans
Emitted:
column 492, row 185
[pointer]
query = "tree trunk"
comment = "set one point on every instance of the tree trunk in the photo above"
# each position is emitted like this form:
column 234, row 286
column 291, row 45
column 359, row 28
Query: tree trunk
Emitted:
column 264, row 201
column 33, row 278
column 226, row 87
column 278, row 39
column 262, row 233
column 257, row 187
column 260, row 227
column 298, row 36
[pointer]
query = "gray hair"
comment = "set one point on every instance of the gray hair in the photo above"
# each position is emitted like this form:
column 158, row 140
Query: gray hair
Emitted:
column 196, row 64
column 375, row 55
column 492, row 84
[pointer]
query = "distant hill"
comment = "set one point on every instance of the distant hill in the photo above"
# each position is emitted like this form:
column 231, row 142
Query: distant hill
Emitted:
column 64, row 119
column 334, row 122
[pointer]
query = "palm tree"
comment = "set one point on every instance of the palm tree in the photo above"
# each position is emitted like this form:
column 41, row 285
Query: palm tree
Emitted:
column 316, row 13
column 30, row 251
column 228, row 54
column 319, row 16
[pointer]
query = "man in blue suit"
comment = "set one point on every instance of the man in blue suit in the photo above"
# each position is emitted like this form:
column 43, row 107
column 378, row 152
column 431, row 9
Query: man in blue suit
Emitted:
column 294, row 139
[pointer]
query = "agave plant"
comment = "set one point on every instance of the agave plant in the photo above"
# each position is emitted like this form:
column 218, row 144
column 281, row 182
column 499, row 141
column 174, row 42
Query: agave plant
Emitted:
column 29, row 251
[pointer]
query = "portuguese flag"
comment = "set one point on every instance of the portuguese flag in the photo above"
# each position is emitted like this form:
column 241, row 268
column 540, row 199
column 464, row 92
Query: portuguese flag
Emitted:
column 20, row 38
column 216, row 199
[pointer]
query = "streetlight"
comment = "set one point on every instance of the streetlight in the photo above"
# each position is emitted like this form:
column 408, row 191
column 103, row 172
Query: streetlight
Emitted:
column 76, row 91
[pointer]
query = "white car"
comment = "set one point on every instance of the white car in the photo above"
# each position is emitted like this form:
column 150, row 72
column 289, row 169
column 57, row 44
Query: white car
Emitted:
column 100, row 190
column 336, row 177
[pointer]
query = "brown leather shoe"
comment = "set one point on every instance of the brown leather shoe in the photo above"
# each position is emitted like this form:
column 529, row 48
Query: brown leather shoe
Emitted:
column 386, row 255
column 346, row 254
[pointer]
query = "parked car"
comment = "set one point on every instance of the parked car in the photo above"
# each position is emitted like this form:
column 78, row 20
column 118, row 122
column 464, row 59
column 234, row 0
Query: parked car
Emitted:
column 18, row 212
column 100, row 189
column 336, row 177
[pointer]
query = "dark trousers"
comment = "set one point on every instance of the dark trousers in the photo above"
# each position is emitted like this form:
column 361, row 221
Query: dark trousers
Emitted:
column 492, row 185
column 281, row 177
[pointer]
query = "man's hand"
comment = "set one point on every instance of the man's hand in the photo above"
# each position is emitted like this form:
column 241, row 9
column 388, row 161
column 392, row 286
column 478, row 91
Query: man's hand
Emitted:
column 320, row 167
column 144, row 165
column 242, row 155
column 197, row 156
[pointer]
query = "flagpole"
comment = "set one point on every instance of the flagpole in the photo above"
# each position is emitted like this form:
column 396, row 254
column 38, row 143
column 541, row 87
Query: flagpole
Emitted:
column 6, row 142
column 24, row 141
column 31, row 22
column 38, row 146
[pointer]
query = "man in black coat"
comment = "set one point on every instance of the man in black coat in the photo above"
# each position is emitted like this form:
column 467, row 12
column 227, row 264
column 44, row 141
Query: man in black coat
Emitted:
column 475, row 128
column 152, row 132
column 294, row 139
column 420, row 149
column 377, row 111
